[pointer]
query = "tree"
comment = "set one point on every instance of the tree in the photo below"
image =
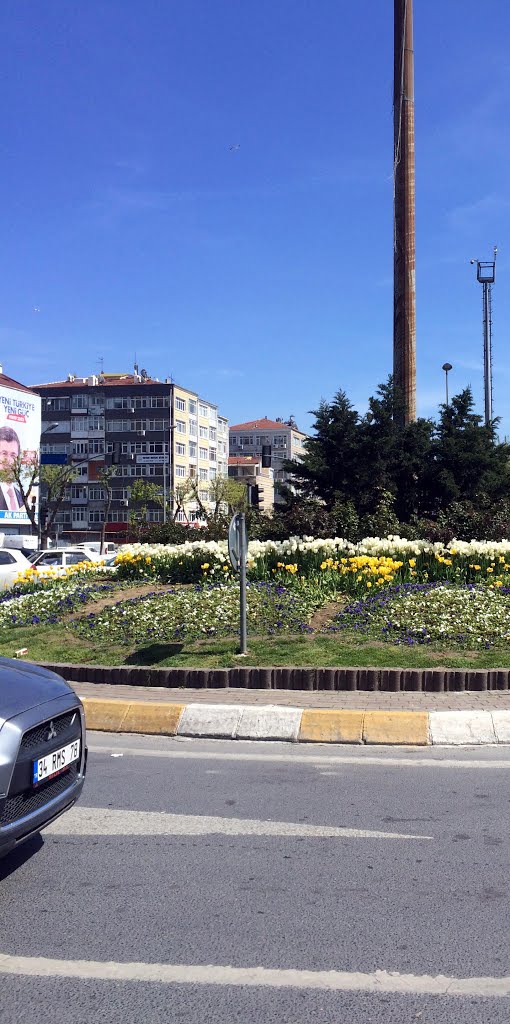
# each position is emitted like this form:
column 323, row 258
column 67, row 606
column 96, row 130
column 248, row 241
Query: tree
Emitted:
column 25, row 472
column 143, row 493
column 225, row 495
column 105, row 476
column 330, row 468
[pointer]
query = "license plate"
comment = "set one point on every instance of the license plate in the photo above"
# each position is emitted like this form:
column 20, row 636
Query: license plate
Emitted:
column 55, row 763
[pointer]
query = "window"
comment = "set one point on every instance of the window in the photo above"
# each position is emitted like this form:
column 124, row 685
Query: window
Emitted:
column 180, row 404
column 74, row 557
column 192, row 407
column 96, row 516
column 154, row 515
column 203, row 410
column 119, row 402
column 118, row 426
column 193, row 428
column 79, row 402
column 81, row 471
column 96, row 423
column 181, row 516
column 212, row 454
column 96, row 447
column 233, row 440
column 120, row 494
column 192, row 471
column 152, row 425
column 203, row 432
column 203, row 474
column 212, row 433
column 96, row 494
column 202, row 453
column 78, row 492
column 180, row 426
column 180, row 449
column 54, row 404
column 6, row 558
column 118, row 515
column 212, row 474
column 79, row 515
column 203, row 495
column 245, row 440
column 79, row 447
column 180, row 471
column 157, row 447
column 194, row 516
column 55, row 449
column 280, row 440
column 192, row 450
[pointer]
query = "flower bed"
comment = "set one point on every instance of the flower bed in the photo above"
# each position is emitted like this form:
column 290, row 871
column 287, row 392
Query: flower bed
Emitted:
column 202, row 611
column 331, row 565
column 49, row 604
column 469, row 616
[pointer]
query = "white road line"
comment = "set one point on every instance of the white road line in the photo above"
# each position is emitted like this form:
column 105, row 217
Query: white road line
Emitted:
column 102, row 821
column 211, row 974
column 296, row 758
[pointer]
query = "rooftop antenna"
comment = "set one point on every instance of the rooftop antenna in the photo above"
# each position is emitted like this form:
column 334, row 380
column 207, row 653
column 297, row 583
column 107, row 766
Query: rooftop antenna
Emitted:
column 101, row 364
column 135, row 367
column 486, row 276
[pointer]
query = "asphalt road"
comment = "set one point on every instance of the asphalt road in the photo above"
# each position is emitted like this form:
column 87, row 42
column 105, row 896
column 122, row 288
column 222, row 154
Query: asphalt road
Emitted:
column 216, row 882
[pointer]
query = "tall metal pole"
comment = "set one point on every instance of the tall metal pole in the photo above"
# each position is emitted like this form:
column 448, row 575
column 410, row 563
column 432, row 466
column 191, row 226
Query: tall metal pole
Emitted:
column 243, row 645
column 404, row 246
column 487, row 353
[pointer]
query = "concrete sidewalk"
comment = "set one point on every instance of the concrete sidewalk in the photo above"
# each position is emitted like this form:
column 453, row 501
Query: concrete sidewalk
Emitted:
column 300, row 716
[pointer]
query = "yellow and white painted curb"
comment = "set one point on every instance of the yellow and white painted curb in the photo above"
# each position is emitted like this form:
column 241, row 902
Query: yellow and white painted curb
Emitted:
column 274, row 722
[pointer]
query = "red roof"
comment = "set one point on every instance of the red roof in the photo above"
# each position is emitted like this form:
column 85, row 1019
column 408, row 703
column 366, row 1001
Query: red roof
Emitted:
column 263, row 424
column 244, row 460
column 107, row 380
column 8, row 382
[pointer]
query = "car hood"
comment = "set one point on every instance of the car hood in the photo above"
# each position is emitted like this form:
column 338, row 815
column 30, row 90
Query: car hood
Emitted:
column 25, row 686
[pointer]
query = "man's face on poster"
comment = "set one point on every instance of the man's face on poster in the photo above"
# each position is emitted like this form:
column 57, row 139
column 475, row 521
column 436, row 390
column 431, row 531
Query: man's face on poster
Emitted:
column 9, row 451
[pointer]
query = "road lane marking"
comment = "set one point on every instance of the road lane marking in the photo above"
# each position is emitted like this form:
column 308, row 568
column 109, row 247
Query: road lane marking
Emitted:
column 263, row 977
column 103, row 821
column 296, row 758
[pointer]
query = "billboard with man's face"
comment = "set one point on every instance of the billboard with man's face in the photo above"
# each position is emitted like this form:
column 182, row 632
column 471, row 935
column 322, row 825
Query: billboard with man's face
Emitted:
column 20, row 432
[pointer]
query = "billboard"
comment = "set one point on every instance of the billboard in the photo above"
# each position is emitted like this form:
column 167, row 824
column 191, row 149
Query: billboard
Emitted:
column 20, row 433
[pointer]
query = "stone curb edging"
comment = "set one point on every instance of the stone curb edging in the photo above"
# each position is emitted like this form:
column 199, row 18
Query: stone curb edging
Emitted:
column 272, row 722
column 382, row 680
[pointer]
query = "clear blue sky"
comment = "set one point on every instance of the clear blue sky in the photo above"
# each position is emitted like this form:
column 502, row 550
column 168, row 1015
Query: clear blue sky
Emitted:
column 258, row 275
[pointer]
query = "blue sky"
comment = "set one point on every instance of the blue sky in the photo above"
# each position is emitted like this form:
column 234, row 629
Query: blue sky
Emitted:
column 259, row 275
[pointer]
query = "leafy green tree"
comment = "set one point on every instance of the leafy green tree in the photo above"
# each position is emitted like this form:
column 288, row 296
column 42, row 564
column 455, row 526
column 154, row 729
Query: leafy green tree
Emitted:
column 25, row 472
column 143, row 493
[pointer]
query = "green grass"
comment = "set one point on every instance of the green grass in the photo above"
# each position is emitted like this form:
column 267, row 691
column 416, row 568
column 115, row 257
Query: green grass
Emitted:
column 58, row 644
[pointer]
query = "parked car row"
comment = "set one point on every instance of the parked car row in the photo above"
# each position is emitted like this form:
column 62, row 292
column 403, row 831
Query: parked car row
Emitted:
column 13, row 562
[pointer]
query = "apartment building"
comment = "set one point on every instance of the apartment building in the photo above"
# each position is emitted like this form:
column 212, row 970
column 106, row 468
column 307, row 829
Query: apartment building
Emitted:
column 157, row 431
column 283, row 436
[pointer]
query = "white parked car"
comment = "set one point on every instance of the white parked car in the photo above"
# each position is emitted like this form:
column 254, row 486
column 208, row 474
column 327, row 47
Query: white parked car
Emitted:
column 12, row 563
column 61, row 558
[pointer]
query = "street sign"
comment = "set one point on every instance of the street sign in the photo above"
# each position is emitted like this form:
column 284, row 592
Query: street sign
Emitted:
column 234, row 541
column 152, row 460
column 53, row 460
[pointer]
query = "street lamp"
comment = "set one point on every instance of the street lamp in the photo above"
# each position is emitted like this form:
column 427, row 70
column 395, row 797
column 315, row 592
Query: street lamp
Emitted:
column 446, row 367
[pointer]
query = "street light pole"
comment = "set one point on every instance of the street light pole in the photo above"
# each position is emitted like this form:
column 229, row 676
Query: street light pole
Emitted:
column 446, row 367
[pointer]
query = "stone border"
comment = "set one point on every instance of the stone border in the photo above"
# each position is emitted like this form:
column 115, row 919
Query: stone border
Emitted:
column 303, row 725
column 382, row 680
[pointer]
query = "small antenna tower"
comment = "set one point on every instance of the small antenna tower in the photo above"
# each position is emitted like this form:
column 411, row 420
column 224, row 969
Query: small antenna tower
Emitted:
column 486, row 276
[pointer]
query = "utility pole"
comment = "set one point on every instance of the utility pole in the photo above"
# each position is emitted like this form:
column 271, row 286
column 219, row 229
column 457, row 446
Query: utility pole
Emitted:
column 404, row 241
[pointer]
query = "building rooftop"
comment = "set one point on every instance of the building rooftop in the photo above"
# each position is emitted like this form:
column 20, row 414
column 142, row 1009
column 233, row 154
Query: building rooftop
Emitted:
column 100, row 380
column 244, row 460
column 8, row 382
column 262, row 424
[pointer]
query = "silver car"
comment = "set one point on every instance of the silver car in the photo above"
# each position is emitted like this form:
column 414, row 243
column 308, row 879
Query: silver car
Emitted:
column 43, row 753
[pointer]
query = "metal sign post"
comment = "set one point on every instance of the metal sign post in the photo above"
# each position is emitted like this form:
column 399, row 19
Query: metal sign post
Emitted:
column 238, row 553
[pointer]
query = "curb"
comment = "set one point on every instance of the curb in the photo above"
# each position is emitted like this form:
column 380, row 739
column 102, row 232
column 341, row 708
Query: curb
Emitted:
column 244, row 677
column 302, row 725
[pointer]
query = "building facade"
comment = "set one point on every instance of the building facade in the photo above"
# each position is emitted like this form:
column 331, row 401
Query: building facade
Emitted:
column 248, row 470
column 154, row 430
column 283, row 437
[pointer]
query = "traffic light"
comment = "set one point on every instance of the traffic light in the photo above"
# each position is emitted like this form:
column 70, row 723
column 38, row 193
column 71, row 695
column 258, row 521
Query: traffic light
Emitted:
column 43, row 516
column 256, row 493
column 266, row 456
